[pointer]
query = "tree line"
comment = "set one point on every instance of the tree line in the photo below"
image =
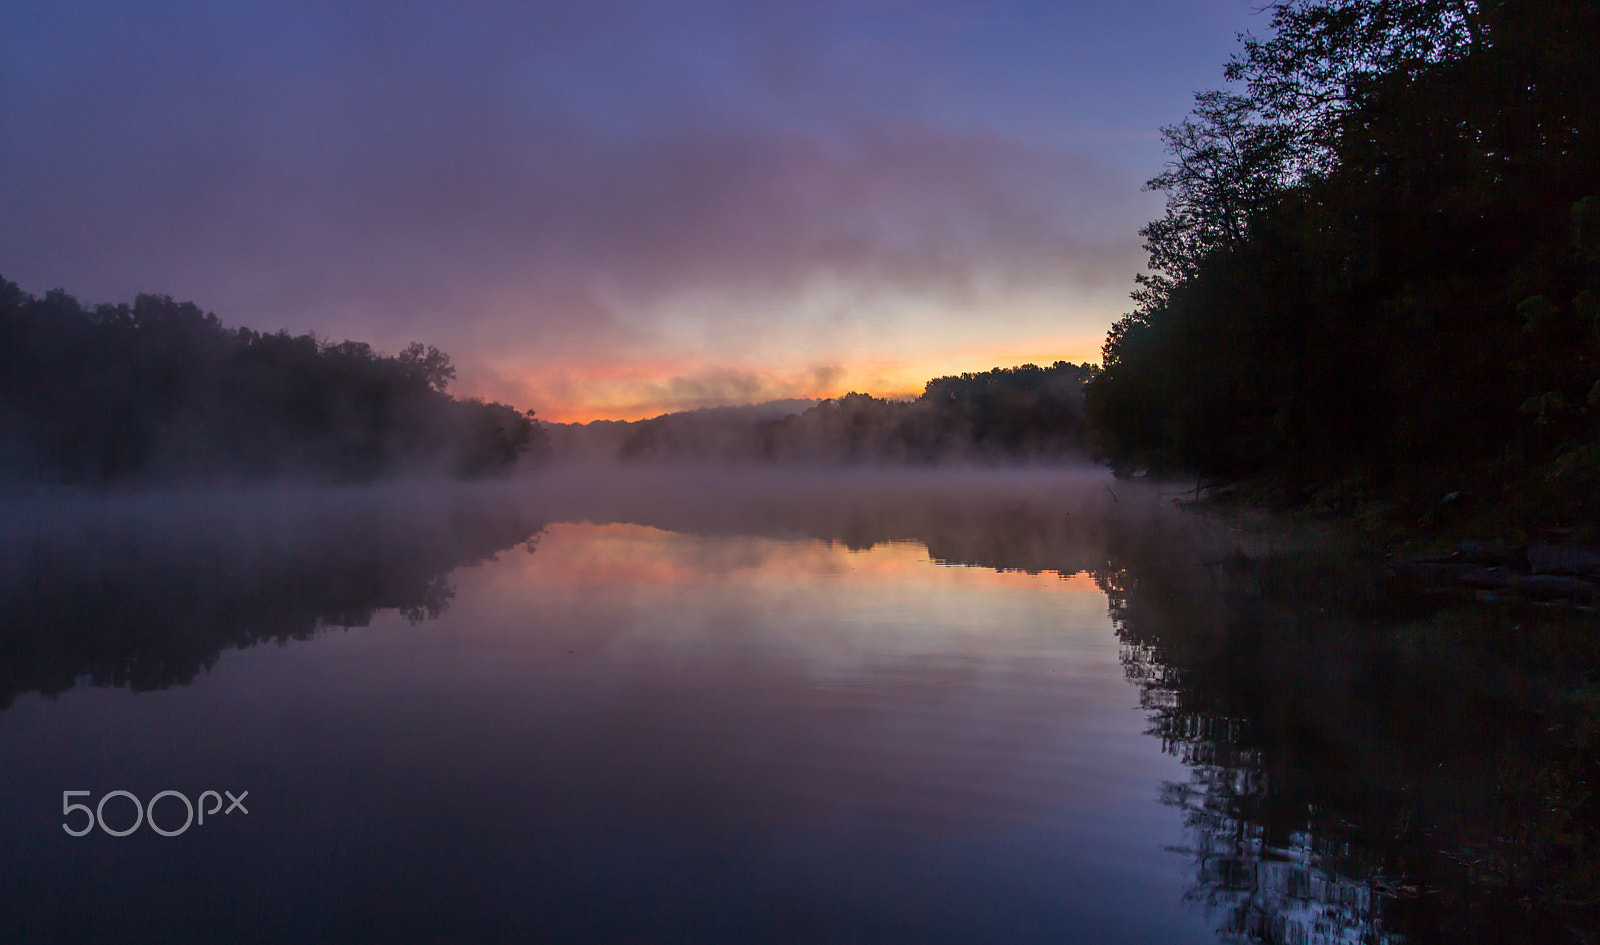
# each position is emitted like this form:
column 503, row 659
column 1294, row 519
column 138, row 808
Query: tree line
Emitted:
column 1378, row 273
column 158, row 391
column 1023, row 413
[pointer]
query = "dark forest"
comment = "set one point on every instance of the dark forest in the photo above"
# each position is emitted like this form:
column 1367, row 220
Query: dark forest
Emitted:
column 159, row 391
column 1376, row 281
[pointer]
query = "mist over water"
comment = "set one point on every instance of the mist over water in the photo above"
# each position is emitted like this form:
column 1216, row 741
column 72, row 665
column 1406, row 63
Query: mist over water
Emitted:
column 189, row 574
column 676, row 704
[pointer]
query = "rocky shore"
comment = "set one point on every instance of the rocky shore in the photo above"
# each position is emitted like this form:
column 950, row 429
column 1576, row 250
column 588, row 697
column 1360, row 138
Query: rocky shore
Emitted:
column 1541, row 571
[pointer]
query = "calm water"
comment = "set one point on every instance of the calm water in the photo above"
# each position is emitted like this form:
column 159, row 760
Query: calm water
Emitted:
column 968, row 708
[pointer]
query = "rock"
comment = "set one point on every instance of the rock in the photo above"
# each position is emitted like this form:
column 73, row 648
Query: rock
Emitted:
column 1545, row 587
column 1487, row 578
column 1536, row 586
column 1563, row 559
column 1486, row 553
column 1556, row 587
column 1431, row 570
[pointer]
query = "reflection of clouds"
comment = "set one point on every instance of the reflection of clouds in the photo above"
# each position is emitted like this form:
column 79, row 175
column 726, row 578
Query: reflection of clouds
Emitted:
column 623, row 555
column 760, row 646
column 1043, row 518
column 619, row 555
column 734, row 693
column 796, row 678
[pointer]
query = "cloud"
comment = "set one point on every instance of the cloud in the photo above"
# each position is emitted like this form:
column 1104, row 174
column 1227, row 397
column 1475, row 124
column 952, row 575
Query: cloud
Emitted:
column 433, row 154
column 546, row 183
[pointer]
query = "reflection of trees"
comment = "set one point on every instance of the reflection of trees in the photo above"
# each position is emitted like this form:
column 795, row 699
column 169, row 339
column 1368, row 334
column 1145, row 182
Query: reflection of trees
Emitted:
column 1361, row 768
column 1263, row 888
column 1346, row 781
column 1346, row 785
column 1362, row 765
column 1352, row 778
column 148, row 594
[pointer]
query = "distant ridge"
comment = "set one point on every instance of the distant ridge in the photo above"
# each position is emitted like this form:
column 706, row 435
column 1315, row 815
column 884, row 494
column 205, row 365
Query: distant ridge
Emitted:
column 766, row 410
column 605, row 439
column 1023, row 413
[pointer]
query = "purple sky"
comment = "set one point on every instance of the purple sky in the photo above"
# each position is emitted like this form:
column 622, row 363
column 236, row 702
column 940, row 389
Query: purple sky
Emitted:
column 609, row 208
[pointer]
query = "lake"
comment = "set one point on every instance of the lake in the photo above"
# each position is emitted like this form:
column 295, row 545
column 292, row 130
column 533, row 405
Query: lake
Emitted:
column 1026, row 706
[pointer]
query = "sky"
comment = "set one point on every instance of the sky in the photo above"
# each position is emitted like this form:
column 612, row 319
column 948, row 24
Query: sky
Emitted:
column 610, row 208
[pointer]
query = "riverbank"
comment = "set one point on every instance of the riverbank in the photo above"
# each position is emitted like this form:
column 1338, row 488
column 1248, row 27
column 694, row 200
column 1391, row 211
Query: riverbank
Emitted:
column 1496, row 537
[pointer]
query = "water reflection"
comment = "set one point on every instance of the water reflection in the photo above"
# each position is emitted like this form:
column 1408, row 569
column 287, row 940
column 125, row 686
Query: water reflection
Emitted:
column 1345, row 782
column 877, row 708
column 146, row 592
column 734, row 733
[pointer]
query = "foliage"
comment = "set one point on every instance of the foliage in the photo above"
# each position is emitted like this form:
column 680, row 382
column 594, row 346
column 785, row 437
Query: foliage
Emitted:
column 1006, row 414
column 158, row 390
column 1379, row 258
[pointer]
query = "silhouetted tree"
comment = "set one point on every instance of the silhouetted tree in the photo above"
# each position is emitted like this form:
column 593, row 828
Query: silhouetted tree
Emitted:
column 1369, row 277
column 1024, row 413
column 159, row 390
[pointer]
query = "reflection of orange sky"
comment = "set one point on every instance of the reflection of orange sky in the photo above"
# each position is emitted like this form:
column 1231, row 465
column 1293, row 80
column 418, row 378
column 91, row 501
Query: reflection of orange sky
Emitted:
column 581, row 390
column 813, row 676
column 599, row 556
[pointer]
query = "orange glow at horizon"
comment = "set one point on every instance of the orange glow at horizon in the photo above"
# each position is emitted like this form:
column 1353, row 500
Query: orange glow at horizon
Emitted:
column 639, row 389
